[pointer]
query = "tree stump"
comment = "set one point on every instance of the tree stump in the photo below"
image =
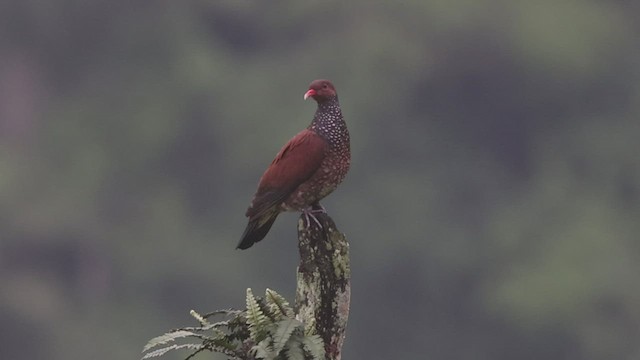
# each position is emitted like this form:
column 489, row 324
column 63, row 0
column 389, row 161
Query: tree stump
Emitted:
column 324, row 282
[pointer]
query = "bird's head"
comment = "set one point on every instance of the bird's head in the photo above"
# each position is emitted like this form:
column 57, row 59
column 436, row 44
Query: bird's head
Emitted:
column 321, row 91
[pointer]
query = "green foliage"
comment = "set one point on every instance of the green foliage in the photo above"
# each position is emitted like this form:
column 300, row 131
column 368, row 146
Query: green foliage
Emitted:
column 169, row 337
column 266, row 329
column 164, row 350
column 314, row 345
column 222, row 336
column 278, row 305
column 283, row 332
column 294, row 348
column 256, row 320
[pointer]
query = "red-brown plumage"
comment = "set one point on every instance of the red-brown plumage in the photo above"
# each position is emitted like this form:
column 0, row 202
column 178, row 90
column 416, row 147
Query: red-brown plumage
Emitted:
column 296, row 162
column 307, row 168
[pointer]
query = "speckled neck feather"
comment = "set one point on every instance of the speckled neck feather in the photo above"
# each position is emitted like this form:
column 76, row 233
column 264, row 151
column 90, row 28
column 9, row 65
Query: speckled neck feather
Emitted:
column 329, row 123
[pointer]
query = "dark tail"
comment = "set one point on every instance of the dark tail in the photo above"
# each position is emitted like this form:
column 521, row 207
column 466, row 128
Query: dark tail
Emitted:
column 256, row 230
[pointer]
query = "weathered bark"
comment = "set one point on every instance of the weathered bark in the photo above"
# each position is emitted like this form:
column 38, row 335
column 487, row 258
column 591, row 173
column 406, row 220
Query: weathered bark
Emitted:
column 324, row 282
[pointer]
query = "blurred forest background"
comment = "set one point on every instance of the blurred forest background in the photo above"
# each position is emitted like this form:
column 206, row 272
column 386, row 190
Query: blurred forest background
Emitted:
column 492, row 208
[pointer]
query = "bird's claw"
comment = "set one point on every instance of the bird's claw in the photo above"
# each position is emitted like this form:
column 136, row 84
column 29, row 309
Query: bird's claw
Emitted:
column 309, row 214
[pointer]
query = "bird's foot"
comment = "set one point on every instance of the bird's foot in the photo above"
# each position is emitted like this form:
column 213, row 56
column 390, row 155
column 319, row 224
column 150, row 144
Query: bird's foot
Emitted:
column 309, row 214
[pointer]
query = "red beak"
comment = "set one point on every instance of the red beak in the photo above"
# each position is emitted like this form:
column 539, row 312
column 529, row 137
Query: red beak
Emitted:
column 310, row 92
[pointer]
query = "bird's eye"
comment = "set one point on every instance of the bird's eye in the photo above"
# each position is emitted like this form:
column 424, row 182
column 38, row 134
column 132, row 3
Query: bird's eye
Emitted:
column 325, row 86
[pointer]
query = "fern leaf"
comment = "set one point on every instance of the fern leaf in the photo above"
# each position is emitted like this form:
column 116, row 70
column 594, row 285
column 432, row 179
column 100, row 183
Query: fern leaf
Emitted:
column 215, row 326
column 225, row 312
column 169, row 337
column 199, row 317
column 223, row 343
column 283, row 332
column 294, row 349
column 164, row 350
column 278, row 305
column 256, row 320
column 263, row 350
column 314, row 346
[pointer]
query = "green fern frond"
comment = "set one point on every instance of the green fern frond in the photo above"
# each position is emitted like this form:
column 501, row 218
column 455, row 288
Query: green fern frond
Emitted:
column 223, row 343
column 226, row 312
column 314, row 346
column 199, row 317
column 193, row 354
column 164, row 350
column 169, row 337
column 294, row 349
column 215, row 326
column 278, row 306
column 256, row 320
column 263, row 350
column 283, row 333
column 266, row 329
